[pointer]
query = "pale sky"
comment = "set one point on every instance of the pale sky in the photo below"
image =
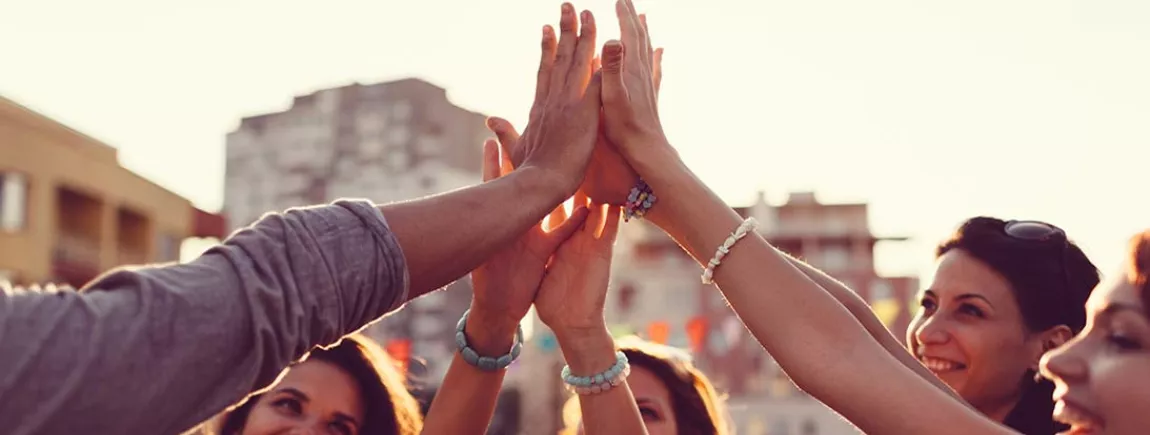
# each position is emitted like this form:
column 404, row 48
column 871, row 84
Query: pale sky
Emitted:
column 931, row 111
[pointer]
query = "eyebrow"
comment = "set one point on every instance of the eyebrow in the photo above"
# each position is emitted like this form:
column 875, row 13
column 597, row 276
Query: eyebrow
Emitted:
column 974, row 296
column 1113, row 308
column 294, row 392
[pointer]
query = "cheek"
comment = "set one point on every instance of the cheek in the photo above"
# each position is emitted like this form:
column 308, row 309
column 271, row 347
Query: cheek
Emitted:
column 1122, row 389
column 665, row 427
column 265, row 420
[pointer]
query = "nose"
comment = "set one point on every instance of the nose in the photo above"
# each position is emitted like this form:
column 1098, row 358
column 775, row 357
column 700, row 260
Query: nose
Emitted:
column 933, row 330
column 1065, row 363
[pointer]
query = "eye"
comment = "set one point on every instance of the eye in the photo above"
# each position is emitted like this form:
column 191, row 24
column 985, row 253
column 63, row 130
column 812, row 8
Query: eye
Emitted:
column 341, row 428
column 649, row 413
column 927, row 304
column 1123, row 342
column 971, row 310
column 288, row 404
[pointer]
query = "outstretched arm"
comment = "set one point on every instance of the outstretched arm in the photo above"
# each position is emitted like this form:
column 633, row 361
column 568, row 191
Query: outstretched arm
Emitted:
column 832, row 356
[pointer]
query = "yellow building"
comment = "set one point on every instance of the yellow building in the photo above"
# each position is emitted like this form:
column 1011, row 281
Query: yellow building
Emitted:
column 69, row 211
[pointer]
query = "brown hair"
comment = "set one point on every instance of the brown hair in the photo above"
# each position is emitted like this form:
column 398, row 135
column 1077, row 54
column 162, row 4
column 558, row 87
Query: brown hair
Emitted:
column 697, row 405
column 389, row 407
column 1138, row 266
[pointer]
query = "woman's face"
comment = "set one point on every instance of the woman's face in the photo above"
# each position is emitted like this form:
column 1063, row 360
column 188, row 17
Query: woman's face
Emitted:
column 315, row 397
column 654, row 401
column 1102, row 377
column 970, row 333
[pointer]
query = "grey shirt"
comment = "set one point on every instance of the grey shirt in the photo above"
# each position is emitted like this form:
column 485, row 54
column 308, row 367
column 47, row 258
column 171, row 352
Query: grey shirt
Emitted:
column 157, row 350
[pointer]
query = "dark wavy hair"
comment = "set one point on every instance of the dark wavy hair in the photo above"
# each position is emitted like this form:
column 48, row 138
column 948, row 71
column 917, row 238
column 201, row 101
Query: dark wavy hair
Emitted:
column 1050, row 280
column 697, row 405
column 389, row 409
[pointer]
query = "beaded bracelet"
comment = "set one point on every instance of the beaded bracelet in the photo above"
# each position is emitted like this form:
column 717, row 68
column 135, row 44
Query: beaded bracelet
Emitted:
column 639, row 202
column 612, row 377
column 486, row 363
column 747, row 226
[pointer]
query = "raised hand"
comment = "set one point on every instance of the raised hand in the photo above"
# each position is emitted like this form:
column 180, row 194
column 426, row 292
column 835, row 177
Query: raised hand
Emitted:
column 564, row 120
column 505, row 286
column 572, row 296
column 609, row 178
column 630, row 86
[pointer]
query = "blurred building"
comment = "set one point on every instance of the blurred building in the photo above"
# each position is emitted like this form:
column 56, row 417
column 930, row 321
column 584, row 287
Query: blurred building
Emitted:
column 69, row 211
column 386, row 142
column 656, row 293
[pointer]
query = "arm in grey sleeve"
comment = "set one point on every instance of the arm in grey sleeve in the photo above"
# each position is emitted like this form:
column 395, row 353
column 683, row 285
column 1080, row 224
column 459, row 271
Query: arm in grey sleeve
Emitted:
column 157, row 350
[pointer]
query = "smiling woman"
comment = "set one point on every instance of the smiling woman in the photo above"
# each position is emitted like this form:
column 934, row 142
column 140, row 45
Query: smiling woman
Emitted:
column 351, row 388
column 1003, row 294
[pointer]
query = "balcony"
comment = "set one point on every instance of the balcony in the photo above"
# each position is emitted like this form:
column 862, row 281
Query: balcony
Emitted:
column 75, row 259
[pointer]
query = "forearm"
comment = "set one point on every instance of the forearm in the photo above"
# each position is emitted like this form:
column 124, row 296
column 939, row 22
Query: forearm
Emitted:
column 446, row 236
column 590, row 352
column 466, row 400
column 831, row 356
column 660, row 215
column 863, row 313
column 198, row 336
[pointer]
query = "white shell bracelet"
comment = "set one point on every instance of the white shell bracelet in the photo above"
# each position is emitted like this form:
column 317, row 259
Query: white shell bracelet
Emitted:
column 746, row 227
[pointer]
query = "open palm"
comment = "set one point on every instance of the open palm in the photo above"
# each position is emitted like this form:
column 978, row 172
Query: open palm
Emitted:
column 506, row 284
column 574, row 292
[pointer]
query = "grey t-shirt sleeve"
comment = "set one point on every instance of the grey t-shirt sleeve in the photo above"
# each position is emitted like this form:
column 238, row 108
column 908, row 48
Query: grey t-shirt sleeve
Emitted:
column 157, row 350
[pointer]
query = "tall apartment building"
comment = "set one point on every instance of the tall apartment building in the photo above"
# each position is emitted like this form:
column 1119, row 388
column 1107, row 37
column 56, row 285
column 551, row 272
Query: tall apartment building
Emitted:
column 69, row 211
column 656, row 293
column 386, row 142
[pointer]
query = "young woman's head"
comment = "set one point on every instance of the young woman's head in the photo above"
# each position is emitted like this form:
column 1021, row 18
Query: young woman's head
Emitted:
column 1103, row 375
column 1003, row 294
column 673, row 396
column 351, row 388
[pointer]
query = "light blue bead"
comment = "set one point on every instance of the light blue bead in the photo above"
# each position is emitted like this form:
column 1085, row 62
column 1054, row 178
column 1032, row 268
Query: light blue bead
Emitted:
column 470, row 356
column 460, row 340
column 462, row 322
column 598, row 379
column 516, row 349
column 504, row 361
column 487, row 363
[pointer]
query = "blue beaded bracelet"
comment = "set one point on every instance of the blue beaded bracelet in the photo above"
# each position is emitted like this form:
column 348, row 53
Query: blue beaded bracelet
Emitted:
column 486, row 363
column 600, row 382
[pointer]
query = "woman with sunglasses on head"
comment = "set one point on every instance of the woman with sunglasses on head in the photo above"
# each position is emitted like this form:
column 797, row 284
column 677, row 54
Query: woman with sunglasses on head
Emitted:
column 1003, row 294
column 673, row 396
column 836, row 355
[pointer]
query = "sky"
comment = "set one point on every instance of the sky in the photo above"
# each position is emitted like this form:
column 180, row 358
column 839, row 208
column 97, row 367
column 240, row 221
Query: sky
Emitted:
column 932, row 112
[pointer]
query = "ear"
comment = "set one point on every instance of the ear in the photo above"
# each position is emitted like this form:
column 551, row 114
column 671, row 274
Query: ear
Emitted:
column 1051, row 339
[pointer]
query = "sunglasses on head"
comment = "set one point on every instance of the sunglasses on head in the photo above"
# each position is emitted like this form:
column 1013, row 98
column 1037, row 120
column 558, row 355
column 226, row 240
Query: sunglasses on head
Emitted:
column 1038, row 231
column 1034, row 231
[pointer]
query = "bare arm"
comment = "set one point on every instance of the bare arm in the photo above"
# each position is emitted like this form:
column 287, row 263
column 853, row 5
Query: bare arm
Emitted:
column 466, row 400
column 441, row 246
column 832, row 357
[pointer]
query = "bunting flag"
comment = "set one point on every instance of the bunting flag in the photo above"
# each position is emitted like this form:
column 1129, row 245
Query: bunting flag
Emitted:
column 620, row 330
column 887, row 310
column 658, row 332
column 547, row 342
column 697, row 333
column 399, row 350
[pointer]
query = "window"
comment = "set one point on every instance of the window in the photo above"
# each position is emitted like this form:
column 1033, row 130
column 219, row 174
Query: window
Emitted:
column 835, row 258
column 167, row 248
column 13, row 201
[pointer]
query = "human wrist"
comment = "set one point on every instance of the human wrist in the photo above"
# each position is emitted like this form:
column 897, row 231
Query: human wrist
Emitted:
column 488, row 333
column 548, row 187
column 587, row 350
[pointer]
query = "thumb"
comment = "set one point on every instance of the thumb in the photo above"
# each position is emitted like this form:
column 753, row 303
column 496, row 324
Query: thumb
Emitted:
column 506, row 133
column 561, row 233
column 614, row 93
